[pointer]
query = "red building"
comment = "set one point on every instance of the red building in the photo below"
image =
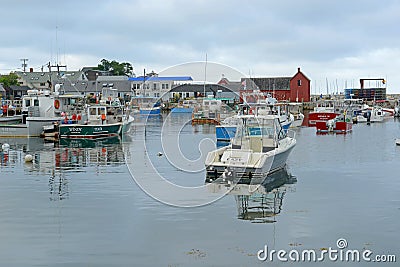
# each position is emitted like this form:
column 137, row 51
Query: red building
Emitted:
column 293, row 89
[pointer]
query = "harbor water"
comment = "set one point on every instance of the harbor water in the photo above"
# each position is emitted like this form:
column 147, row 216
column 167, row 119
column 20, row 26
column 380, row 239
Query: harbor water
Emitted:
column 85, row 204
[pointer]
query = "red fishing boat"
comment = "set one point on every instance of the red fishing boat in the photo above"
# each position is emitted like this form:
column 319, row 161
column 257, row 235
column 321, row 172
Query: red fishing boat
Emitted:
column 324, row 111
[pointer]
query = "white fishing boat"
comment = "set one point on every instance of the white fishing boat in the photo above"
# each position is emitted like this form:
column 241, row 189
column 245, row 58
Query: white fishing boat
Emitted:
column 260, row 147
column 37, row 111
column 398, row 141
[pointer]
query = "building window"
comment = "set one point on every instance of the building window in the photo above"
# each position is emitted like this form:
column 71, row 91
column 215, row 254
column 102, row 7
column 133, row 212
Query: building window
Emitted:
column 154, row 86
column 42, row 84
column 299, row 82
column 187, row 94
column 165, row 86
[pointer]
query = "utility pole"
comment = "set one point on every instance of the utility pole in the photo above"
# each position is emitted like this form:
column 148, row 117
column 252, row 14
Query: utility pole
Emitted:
column 24, row 65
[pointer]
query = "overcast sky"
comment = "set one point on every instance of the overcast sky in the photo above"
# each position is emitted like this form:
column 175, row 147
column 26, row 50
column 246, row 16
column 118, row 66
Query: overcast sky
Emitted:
column 335, row 42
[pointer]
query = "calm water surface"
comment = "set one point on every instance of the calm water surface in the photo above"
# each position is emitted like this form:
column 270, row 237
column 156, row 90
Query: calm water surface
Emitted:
column 77, row 204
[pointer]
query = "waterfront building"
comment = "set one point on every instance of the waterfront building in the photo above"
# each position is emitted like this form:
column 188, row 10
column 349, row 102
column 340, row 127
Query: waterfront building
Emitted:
column 157, row 86
column 293, row 89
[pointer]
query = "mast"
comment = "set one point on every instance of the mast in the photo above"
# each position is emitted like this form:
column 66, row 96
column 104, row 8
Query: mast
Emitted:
column 144, row 81
column 205, row 77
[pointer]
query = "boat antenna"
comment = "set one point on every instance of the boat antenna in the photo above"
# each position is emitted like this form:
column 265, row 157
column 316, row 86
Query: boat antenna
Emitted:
column 205, row 77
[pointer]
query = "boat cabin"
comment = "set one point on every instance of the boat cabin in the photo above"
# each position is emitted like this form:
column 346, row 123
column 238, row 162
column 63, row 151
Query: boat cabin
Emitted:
column 258, row 134
column 101, row 114
column 37, row 104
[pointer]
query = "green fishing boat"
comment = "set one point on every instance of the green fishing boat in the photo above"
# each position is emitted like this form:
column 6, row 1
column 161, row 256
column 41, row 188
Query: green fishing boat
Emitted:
column 103, row 122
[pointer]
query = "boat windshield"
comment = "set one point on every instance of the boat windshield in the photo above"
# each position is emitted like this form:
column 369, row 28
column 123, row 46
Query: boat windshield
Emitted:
column 261, row 131
column 268, row 128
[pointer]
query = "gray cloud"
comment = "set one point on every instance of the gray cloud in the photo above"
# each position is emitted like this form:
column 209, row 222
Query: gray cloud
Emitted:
column 264, row 36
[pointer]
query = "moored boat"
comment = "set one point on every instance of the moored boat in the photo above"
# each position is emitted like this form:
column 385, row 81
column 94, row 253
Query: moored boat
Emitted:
column 146, row 105
column 186, row 106
column 211, row 111
column 260, row 147
column 103, row 121
column 37, row 111
column 269, row 110
column 324, row 111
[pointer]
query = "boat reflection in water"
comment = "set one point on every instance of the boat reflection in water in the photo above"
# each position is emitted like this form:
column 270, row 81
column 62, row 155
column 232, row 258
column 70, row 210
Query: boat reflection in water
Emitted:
column 63, row 161
column 89, row 143
column 258, row 203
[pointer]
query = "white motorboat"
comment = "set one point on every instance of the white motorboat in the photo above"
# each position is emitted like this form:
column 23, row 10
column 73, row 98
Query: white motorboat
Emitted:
column 377, row 114
column 260, row 147
column 398, row 141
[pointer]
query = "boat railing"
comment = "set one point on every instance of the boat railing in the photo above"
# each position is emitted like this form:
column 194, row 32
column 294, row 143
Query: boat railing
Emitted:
column 291, row 134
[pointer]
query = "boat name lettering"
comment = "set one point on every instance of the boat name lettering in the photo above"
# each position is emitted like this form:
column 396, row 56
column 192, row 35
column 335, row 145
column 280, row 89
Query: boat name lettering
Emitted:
column 7, row 130
column 75, row 129
column 235, row 159
column 98, row 129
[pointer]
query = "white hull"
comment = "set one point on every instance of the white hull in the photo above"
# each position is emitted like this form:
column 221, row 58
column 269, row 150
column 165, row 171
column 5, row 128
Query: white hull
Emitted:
column 11, row 119
column 246, row 164
column 32, row 128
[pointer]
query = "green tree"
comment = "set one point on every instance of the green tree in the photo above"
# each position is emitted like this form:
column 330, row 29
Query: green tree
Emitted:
column 115, row 67
column 10, row 79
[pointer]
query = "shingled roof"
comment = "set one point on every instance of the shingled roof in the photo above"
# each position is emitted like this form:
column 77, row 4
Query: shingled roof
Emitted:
column 276, row 83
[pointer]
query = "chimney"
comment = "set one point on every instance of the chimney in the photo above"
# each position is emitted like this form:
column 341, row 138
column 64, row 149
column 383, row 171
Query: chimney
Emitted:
column 298, row 69
column 30, row 69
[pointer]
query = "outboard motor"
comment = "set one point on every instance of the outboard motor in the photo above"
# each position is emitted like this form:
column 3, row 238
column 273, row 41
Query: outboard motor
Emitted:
column 330, row 124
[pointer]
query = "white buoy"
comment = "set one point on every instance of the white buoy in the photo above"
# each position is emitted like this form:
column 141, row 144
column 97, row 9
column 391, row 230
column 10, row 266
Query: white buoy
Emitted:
column 28, row 158
column 5, row 147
